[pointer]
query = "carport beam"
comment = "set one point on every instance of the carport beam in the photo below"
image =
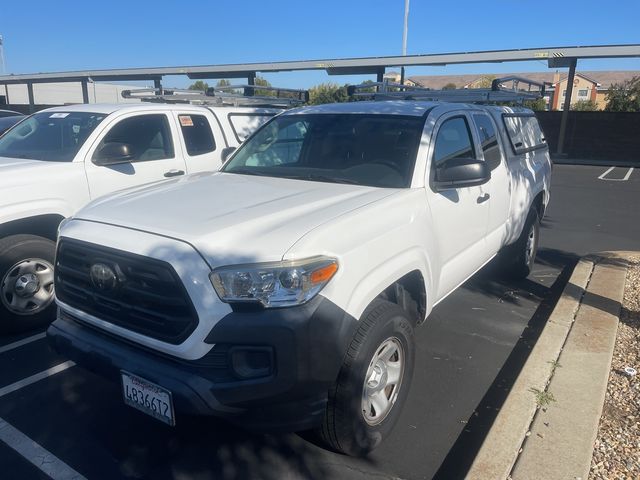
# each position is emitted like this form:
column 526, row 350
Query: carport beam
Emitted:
column 380, row 77
column 251, row 80
column 32, row 106
column 567, row 106
column 85, row 90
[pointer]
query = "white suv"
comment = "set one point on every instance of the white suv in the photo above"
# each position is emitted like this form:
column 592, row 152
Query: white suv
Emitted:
column 283, row 291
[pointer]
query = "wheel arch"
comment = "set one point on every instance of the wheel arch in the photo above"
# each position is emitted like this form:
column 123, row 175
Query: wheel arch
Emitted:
column 44, row 225
column 407, row 284
column 539, row 204
column 409, row 292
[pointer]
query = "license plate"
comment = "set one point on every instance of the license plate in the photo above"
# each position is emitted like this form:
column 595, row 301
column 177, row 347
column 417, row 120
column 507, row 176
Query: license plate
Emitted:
column 148, row 397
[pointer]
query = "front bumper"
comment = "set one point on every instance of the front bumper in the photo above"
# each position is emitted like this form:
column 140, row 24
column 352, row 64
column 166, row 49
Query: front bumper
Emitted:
column 304, row 345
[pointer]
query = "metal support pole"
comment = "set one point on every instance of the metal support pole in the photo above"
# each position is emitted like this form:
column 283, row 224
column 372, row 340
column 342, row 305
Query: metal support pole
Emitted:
column 404, row 37
column 31, row 100
column 157, row 84
column 380, row 78
column 6, row 93
column 85, row 90
column 567, row 106
column 251, row 80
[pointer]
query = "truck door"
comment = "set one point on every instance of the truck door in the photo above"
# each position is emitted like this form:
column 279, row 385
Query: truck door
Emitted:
column 200, row 140
column 133, row 150
column 499, row 188
column 459, row 214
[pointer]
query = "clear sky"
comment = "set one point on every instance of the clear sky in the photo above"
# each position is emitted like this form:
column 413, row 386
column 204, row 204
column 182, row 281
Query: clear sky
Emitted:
column 49, row 35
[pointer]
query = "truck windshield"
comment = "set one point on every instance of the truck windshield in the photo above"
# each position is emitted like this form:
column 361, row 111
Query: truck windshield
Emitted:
column 49, row 136
column 374, row 150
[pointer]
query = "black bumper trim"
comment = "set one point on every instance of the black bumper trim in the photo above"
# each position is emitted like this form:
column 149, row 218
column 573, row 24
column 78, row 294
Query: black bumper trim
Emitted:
column 309, row 343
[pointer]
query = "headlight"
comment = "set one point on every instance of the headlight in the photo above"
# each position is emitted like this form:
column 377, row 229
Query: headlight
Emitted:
column 276, row 284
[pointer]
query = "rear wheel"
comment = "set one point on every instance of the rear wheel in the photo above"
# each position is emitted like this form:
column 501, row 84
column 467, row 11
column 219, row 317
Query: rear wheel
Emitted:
column 26, row 282
column 373, row 382
column 518, row 259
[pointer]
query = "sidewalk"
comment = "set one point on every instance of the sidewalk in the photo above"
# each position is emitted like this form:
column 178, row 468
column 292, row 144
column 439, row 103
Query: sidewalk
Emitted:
column 548, row 423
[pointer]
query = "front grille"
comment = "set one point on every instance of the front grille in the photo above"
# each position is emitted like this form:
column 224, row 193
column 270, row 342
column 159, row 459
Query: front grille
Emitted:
column 147, row 298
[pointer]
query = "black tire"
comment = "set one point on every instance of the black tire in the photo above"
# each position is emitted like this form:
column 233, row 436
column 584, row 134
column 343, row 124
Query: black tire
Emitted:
column 344, row 428
column 13, row 250
column 518, row 259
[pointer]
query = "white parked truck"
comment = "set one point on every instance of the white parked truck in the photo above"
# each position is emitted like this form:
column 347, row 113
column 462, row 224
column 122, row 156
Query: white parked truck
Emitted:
column 57, row 160
column 283, row 291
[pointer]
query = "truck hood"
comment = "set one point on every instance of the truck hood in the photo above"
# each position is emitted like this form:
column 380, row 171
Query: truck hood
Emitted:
column 34, row 187
column 16, row 172
column 232, row 218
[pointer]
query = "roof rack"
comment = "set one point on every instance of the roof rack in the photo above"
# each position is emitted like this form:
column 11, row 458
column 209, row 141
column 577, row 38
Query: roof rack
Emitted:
column 499, row 92
column 228, row 95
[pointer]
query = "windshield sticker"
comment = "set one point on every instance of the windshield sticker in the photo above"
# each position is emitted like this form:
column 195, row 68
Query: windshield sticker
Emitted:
column 59, row 115
column 185, row 120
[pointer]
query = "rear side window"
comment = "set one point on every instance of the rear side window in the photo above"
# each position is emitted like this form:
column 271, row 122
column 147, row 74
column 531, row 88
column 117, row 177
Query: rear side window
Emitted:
column 453, row 141
column 244, row 124
column 488, row 140
column 524, row 132
column 197, row 133
column 148, row 137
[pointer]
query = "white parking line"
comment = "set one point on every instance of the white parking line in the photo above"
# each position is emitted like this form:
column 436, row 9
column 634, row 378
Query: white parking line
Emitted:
column 61, row 367
column 37, row 455
column 624, row 179
column 30, row 450
column 24, row 341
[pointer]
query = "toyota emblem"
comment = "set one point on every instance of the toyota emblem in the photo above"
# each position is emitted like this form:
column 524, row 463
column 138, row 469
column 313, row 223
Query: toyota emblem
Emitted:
column 103, row 277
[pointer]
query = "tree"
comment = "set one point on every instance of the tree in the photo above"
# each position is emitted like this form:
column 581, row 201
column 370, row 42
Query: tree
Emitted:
column 584, row 106
column 263, row 82
column 328, row 93
column 537, row 105
column 371, row 89
column 223, row 82
column 199, row 85
column 449, row 86
column 624, row 97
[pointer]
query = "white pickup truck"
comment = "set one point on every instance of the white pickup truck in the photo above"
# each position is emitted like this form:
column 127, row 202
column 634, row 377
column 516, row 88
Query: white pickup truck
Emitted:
column 283, row 291
column 59, row 159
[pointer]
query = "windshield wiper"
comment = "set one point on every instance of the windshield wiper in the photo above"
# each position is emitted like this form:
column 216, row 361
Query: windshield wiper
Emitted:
column 245, row 171
column 324, row 178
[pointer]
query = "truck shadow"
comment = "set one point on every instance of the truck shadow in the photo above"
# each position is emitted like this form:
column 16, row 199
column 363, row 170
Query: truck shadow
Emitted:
column 460, row 457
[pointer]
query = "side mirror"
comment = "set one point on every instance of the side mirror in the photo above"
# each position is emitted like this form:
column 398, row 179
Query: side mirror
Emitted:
column 226, row 153
column 113, row 153
column 460, row 173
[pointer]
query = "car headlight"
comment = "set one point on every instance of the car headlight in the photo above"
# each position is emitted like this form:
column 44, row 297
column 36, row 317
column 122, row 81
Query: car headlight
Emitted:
column 274, row 284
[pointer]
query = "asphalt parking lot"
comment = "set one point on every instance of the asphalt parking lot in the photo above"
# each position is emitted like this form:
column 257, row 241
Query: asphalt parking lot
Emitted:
column 469, row 352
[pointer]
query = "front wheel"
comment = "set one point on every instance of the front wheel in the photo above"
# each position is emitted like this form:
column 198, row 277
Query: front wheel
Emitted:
column 373, row 382
column 26, row 282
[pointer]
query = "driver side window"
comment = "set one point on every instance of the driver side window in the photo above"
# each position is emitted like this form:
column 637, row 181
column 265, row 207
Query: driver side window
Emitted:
column 453, row 140
column 148, row 136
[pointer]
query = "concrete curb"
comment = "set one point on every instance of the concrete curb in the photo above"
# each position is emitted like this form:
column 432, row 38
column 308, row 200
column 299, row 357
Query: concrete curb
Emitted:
column 521, row 443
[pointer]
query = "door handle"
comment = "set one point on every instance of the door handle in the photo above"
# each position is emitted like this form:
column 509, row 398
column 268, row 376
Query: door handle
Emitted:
column 483, row 198
column 174, row 173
